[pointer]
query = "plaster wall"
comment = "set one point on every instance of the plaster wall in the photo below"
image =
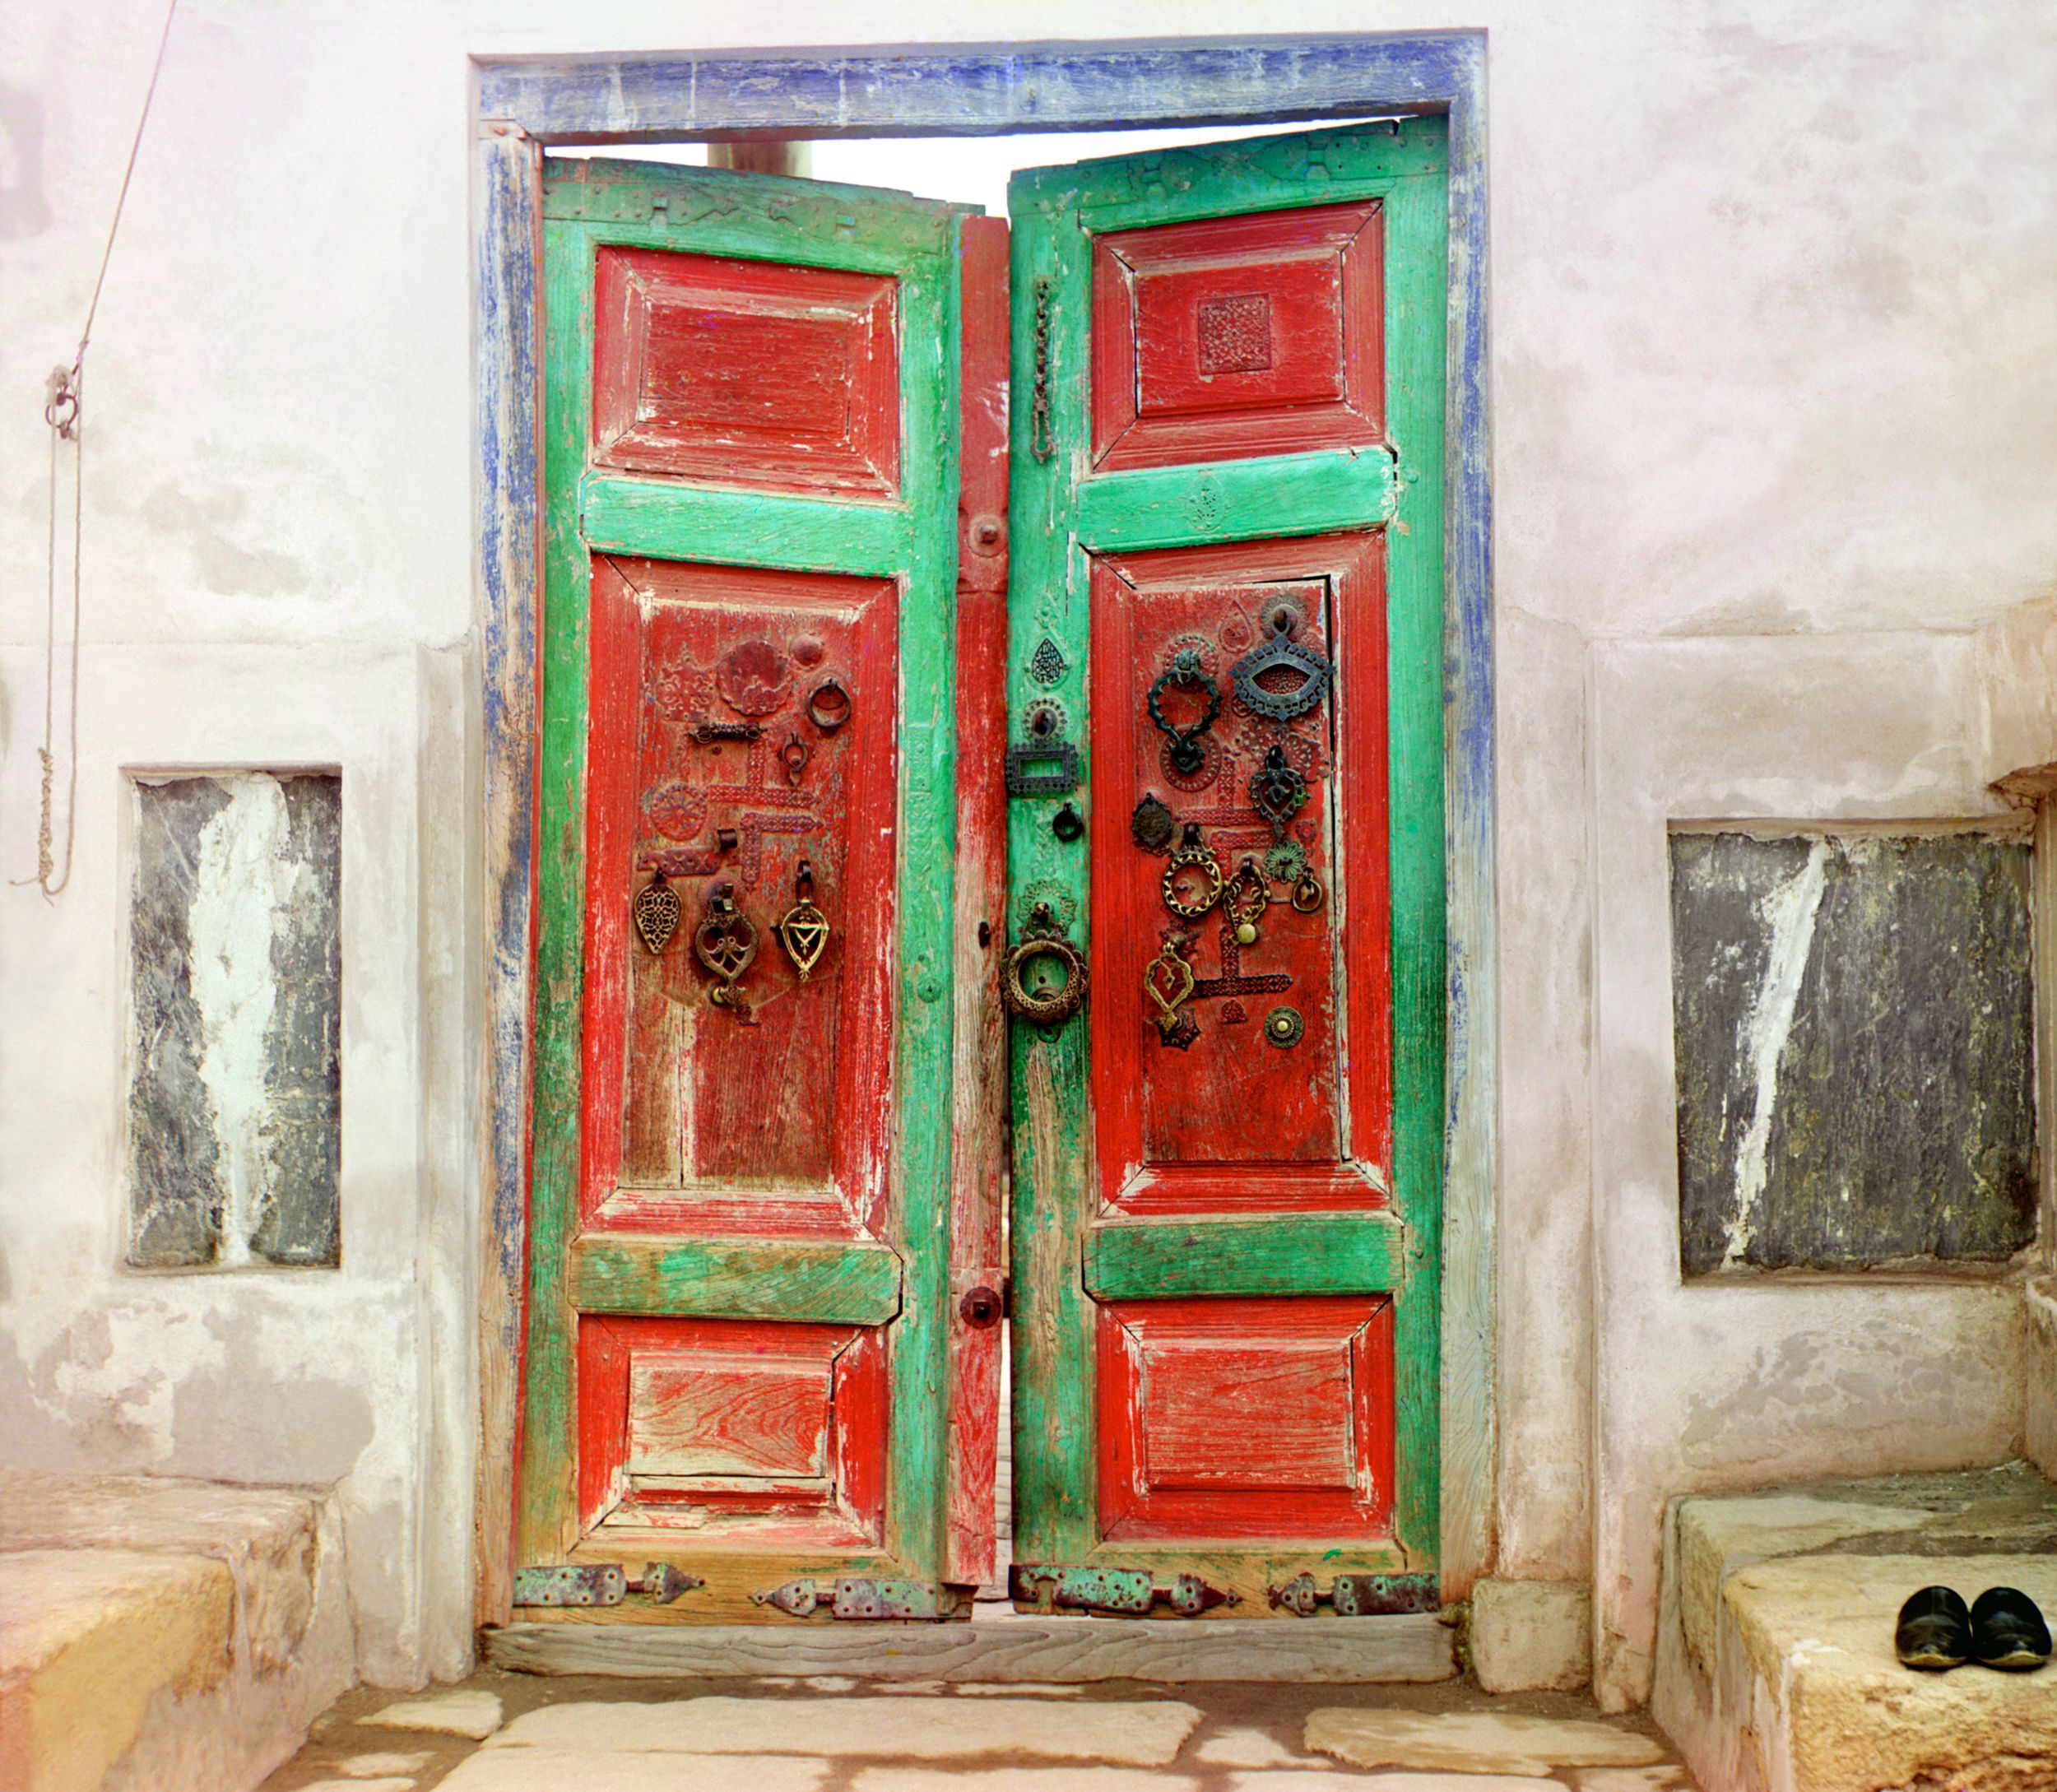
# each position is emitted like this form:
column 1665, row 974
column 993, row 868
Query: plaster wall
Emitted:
column 1774, row 321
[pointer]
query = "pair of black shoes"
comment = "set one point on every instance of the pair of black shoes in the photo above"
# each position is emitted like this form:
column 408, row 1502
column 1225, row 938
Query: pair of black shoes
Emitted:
column 2002, row 1628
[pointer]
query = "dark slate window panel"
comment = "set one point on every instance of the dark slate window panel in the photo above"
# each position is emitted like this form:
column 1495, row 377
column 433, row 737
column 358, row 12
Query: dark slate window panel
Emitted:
column 236, row 979
column 1854, row 1030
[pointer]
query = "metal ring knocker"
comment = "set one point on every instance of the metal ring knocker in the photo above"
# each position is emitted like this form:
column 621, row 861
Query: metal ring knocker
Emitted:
column 1185, row 673
column 829, row 705
column 1192, row 855
column 1044, row 938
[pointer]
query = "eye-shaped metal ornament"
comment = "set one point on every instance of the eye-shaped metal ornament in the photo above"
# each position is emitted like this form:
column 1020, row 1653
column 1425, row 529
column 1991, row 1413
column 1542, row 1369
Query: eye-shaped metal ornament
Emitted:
column 1281, row 653
column 1186, row 673
column 1278, row 791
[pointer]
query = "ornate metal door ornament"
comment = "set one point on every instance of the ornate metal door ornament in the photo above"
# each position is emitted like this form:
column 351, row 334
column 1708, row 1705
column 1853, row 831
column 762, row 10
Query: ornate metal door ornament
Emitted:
column 1039, row 440
column 1047, row 664
column 1286, row 862
column 794, row 756
column 1186, row 673
column 803, row 929
column 1046, row 1005
column 1152, row 824
column 1067, row 824
column 656, row 911
column 712, row 733
column 1244, row 900
column 1167, row 979
column 1179, row 897
column 1045, row 764
column 1312, row 673
column 1278, row 791
column 726, row 943
column 829, row 705
column 1307, row 893
column 1282, row 1027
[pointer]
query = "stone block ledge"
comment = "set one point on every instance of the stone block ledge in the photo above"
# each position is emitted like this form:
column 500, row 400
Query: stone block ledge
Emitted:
column 1775, row 1670
column 163, row 1634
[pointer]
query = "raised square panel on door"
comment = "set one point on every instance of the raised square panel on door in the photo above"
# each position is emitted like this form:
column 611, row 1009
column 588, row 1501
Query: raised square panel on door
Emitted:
column 744, row 372
column 1232, row 1419
column 1237, row 336
column 743, row 731
column 757, row 1432
column 1220, row 1116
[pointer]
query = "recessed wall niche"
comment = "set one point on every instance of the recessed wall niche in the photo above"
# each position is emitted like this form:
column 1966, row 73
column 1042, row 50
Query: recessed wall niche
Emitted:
column 1853, row 1026
column 236, row 972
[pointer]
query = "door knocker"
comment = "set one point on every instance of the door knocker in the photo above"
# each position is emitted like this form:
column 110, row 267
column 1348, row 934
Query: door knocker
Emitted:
column 658, row 912
column 1067, row 824
column 829, row 705
column 1046, row 1005
column 1179, row 897
column 1278, row 791
column 1152, row 824
column 1186, row 673
column 726, row 943
column 794, row 756
column 1167, row 979
column 1307, row 894
column 1312, row 673
column 803, row 929
column 1244, row 900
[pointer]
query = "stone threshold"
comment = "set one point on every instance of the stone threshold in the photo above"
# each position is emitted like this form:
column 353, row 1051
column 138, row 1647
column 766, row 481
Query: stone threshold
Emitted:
column 1409, row 1649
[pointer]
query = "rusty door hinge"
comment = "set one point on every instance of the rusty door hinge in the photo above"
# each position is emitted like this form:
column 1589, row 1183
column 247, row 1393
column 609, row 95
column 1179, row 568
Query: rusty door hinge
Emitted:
column 1115, row 1592
column 599, row 1583
column 866, row 1596
column 1356, row 1595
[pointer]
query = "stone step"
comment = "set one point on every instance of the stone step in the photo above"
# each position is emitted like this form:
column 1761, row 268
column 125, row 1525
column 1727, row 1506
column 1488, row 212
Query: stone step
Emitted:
column 162, row 1634
column 1775, row 1670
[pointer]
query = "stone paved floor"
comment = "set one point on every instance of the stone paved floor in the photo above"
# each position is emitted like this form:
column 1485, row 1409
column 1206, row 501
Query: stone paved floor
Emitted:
column 529, row 1733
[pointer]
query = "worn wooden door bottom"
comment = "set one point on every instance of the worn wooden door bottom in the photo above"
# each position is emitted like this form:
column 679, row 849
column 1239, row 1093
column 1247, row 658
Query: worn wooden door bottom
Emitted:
column 1004, row 1648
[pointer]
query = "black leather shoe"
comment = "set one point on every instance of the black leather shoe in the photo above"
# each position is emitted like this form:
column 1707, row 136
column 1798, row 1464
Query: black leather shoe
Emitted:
column 2007, row 1632
column 1934, row 1630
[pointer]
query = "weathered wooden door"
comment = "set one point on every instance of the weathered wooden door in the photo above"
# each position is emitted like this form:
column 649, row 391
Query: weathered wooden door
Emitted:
column 1225, row 682
column 743, row 1352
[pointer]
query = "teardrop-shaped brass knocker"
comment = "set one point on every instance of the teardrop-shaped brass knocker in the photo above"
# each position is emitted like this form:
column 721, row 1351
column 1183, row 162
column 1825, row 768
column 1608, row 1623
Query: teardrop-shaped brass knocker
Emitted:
column 803, row 929
column 656, row 912
column 726, row 943
column 1167, row 979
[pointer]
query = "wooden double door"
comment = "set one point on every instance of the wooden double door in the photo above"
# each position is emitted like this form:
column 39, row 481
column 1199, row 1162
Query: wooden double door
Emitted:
column 991, row 721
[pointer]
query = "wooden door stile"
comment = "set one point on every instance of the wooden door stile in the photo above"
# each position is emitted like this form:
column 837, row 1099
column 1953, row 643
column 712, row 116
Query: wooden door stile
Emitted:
column 978, row 1263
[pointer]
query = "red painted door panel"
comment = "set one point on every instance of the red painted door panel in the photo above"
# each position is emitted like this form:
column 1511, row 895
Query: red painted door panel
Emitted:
column 767, row 1113
column 1219, row 1117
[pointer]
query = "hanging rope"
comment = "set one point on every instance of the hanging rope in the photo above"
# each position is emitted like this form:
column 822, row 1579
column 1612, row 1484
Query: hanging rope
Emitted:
column 63, row 410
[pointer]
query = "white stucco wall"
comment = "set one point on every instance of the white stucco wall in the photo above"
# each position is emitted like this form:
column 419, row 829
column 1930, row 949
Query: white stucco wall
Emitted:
column 1775, row 380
